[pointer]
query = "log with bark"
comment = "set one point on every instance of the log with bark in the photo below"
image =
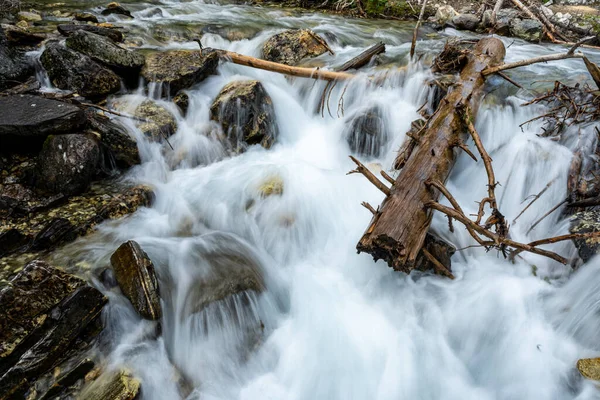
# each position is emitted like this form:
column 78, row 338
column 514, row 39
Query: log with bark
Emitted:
column 397, row 231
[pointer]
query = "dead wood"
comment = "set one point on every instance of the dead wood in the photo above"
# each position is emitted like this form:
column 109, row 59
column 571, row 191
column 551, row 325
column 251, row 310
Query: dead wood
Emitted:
column 413, row 45
column 397, row 232
column 363, row 58
column 529, row 61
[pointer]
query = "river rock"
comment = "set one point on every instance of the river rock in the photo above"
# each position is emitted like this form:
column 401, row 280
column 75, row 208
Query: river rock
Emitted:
column 14, row 67
column 42, row 312
column 115, row 385
column 70, row 70
column 445, row 14
column 245, row 110
column 589, row 368
column 18, row 36
column 503, row 20
column 111, row 33
column 291, row 46
column 29, row 16
column 586, row 222
column 182, row 100
column 121, row 146
column 159, row 122
column 366, row 134
column 116, row 8
column 527, row 29
column 28, row 115
column 85, row 17
column 105, row 51
column 468, row 22
column 180, row 69
column 67, row 163
column 135, row 275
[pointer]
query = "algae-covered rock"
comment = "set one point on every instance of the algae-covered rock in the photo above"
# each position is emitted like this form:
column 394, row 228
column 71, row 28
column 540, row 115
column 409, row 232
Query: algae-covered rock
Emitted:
column 182, row 100
column 111, row 33
column 180, row 69
column 115, row 385
column 85, row 17
column 136, row 277
column 70, row 70
column 366, row 133
column 155, row 121
column 272, row 186
column 293, row 45
column 245, row 110
column 589, row 368
column 586, row 222
column 527, row 29
column 68, row 163
column 105, row 51
column 29, row 16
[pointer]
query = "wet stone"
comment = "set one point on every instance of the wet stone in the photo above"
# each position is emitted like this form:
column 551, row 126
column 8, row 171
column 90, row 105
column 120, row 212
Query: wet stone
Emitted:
column 245, row 111
column 136, row 277
column 116, row 385
column 586, row 222
column 293, row 45
column 116, row 8
column 18, row 36
column 589, row 368
column 182, row 100
column 527, row 29
column 366, row 134
column 113, row 34
column 85, row 17
column 116, row 141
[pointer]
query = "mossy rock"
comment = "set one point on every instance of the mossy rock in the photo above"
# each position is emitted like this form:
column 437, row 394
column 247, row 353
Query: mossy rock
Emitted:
column 272, row 186
column 116, row 385
column 589, row 368
column 291, row 46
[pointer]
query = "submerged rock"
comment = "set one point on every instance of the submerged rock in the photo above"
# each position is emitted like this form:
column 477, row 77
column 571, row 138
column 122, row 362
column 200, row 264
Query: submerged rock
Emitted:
column 366, row 135
column 18, row 36
column 43, row 312
column 121, row 147
column 156, row 122
column 586, row 222
column 116, row 8
column 68, row 163
column 527, row 29
column 180, row 69
column 105, row 51
column 589, row 368
column 113, row 34
column 28, row 115
column 182, row 100
column 70, row 70
column 293, row 45
column 245, row 110
column 272, row 186
column 116, row 385
column 135, row 275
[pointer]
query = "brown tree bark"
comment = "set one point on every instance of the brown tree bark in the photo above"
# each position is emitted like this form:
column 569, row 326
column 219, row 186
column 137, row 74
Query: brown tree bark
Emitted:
column 397, row 232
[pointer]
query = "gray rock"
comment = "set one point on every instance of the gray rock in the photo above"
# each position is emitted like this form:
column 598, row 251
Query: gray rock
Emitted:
column 503, row 20
column 291, row 46
column 28, row 115
column 68, row 163
column 70, row 70
column 180, row 69
column 245, row 110
column 366, row 134
column 14, row 67
column 157, row 122
column 467, row 22
column 585, row 222
column 527, row 29
column 105, row 51
column 113, row 34
column 135, row 275
column 445, row 14
column 121, row 147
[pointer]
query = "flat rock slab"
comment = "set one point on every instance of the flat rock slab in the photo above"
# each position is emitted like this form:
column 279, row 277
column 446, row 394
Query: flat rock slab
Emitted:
column 105, row 51
column 28, row 115
column 113, row 34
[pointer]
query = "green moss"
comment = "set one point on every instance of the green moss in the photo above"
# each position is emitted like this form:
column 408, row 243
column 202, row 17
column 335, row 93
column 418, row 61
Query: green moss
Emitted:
column 593, row 21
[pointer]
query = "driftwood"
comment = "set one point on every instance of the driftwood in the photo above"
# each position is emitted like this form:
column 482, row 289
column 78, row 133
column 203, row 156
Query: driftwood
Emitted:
column 413, row 44
column 397, row 232
column 363, row 58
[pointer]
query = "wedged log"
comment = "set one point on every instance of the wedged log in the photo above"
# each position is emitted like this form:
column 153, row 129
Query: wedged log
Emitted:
column 397, row 232
column 363, row 58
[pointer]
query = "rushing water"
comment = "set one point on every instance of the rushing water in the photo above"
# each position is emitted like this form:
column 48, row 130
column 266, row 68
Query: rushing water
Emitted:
column 332, row 324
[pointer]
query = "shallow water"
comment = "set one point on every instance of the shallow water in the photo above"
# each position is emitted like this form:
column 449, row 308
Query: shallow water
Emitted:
column 332, row 324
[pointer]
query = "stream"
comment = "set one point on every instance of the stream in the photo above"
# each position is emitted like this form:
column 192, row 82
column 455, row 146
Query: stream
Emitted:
column 330, row 323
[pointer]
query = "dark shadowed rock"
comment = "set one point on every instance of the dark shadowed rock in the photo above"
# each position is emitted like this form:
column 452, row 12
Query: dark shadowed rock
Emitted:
column 105, row 51
column 13, row 240
column 85, row 17
column 182, row 100
column 70, row 70
column 527, row 29
column 366, row 135
column 116, row 8
column 28, row 115
column 52, row 234
column 122, row 148
column 115, row 385
column 67, row 163
column 21, row 37
column 113, row 34
column 135, row 275
column 180, row 69
column 291, row 46
column 503, row 20
column 14, row 67
column 586, row 222
column 467, row 22
column 245, row 110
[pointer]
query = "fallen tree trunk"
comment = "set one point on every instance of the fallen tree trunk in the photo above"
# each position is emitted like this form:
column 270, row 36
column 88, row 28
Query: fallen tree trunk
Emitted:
column 363, row 58
column 397, row 231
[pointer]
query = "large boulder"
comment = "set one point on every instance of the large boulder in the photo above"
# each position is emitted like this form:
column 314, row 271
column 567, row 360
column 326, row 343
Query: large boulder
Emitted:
column 180, row 69
column 43, row 313
column 586, row 222
column 14, row 67
column 504, row 18
column 121, row 147
column 291, row 46
column 527, row 29
column 68, row 163
column 135, row 275
column 28, row 115
column 70, row 70
column 245, row 110
column 105, row 51
column 113, row 34
column 366, row 134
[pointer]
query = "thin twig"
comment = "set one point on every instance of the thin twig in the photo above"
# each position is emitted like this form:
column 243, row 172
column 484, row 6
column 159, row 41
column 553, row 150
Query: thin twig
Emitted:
column 556, row 207
column 361, row 169
column 537, row 196
column 416, row 30
column 438, row 266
